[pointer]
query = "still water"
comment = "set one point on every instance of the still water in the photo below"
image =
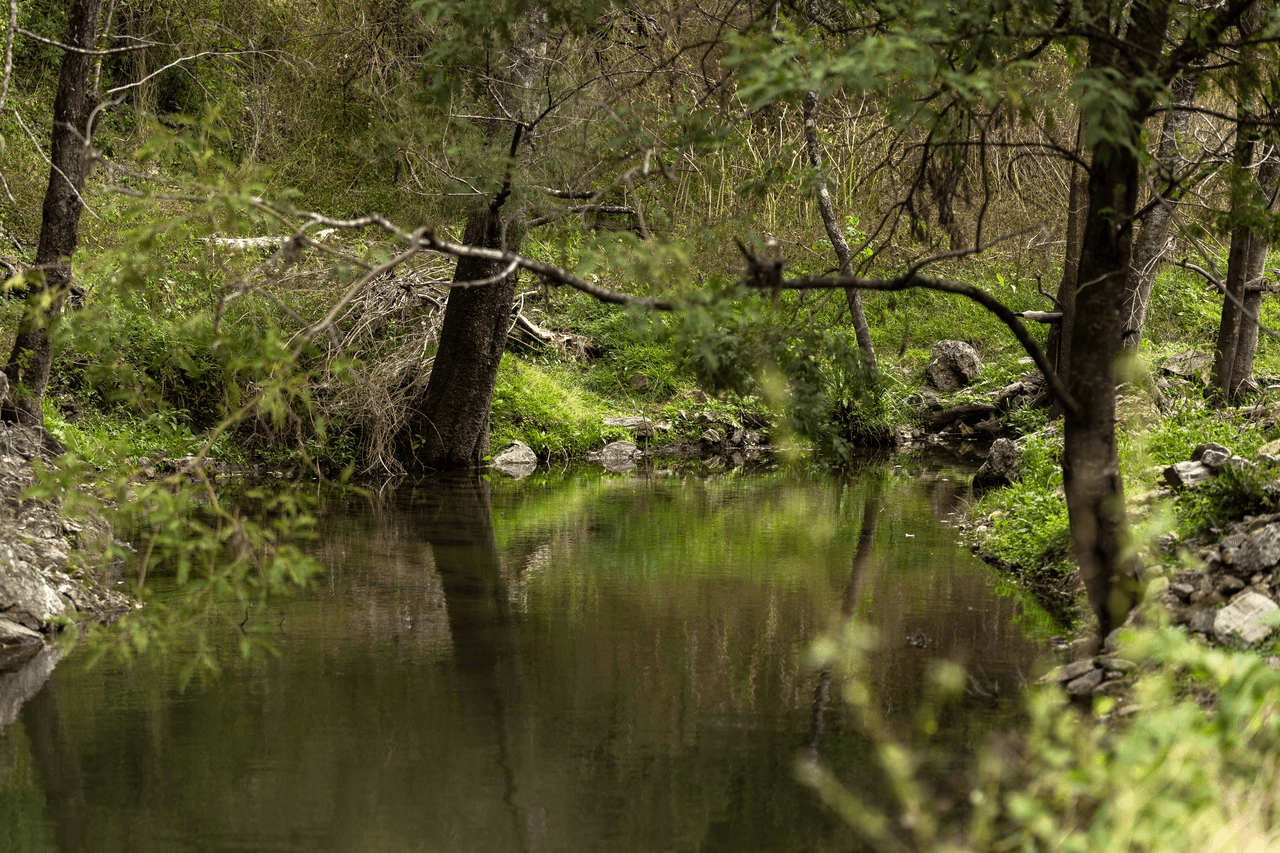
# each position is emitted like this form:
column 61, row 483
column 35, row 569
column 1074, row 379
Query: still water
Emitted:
column 570, row 662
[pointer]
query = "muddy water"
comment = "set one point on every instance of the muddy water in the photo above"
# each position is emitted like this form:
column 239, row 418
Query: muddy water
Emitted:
column 572, row 662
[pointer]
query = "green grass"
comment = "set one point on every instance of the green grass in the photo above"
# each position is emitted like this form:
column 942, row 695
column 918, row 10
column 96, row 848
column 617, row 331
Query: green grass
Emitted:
column 548, row 407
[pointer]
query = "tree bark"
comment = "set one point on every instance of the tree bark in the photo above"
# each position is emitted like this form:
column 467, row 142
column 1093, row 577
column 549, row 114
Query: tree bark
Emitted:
column 1268, row 181
column 1058, row 345
column 31, row 359
column 1090, row 459
column 448, row 428
column 834, row 233
column 1154, row 237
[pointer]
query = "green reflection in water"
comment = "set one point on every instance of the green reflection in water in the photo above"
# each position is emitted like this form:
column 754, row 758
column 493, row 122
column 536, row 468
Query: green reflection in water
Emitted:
column 568, row 662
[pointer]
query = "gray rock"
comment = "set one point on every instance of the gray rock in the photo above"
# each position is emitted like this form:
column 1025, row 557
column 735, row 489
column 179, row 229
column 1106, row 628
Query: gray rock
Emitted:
column 1187, row 475
column 13, row 634
column 1258, row 553
column 1214, row 450
column 954, row 364
column 616, row 456
column 1003, row 465
column 1182, row 590
column 1229, row 585
column 712, row 436
column 1244, row 618
column 1202, row 621
column 1112, row 687
column 1070, row 672
column 24, row 591
column 1215, row 458
column 516, row 461
column 642, row 427
column 925, row 398
column 1085, row 684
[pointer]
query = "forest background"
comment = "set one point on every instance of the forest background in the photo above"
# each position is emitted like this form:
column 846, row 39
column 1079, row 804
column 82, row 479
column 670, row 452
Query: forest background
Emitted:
column 640, row 154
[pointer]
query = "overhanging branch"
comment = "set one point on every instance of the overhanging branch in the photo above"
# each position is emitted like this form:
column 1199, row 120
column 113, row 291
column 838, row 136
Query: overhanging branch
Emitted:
column 548, row 272
column 766, row 274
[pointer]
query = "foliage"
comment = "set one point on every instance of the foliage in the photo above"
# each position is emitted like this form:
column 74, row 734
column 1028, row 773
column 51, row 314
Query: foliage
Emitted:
column 1166, row 774
column 546, row 407
column 1028, row 526
column 1237, row 491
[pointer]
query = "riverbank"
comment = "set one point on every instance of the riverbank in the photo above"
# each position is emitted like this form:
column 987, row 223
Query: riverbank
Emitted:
column 47, row 580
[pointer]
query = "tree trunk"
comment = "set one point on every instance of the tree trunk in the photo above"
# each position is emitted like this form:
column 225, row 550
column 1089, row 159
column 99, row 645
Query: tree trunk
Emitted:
column 448, row 428
column 834, row 233
column 1154, row 237
column 1090, row 458
column 1058, row 345
column 32, row 355
column 1268, row 181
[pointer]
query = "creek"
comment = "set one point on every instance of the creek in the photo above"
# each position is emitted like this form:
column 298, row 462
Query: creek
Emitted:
column 569, row 662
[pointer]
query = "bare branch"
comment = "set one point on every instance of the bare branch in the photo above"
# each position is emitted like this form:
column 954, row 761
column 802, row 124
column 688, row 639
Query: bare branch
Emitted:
column 766, row 275
column 551, row 274
column 84, row 50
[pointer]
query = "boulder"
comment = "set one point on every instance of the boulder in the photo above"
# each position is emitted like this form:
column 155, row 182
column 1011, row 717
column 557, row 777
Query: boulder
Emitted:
column 516, row 461
column 1258, row 553
column 953, row 365
column 616, row 456
column 1246, row 618
column 1002, row 466
column 1188, row 475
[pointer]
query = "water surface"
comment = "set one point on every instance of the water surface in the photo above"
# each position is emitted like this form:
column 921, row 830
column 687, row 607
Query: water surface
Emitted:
column 572, row 662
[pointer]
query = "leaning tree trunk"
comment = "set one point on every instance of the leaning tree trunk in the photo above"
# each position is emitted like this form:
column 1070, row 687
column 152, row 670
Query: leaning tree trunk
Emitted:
column 32, row 356
column 1154, row 237
column 852, row 295
column 448, row 428
column 1090, row 457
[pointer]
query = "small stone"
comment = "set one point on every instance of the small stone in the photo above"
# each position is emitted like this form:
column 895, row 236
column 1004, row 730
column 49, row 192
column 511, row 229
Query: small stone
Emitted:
column 1229, row 585
column 1085, row 684
column 1182, row 590
column 1259, row 552
column 1202, row 621
column 712, row 436
column 1111, row 687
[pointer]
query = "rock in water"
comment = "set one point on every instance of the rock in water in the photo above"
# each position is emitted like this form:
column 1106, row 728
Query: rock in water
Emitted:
column 516, row 461
column 954, row 364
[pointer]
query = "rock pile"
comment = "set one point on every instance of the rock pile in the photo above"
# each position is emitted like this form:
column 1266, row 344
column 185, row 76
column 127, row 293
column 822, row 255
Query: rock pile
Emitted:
column 38, row 580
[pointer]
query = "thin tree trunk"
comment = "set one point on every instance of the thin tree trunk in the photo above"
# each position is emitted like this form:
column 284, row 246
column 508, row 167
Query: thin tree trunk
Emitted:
column 1154, row 237
column 829, row 220
column 31, row 359
column 1058, row 346
column 1238, row 263
column 1268, row 178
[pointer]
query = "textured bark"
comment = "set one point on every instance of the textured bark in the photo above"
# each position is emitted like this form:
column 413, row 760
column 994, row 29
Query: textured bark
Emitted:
column 834, row 233
column 1268, row 181
column 1154, row 237
column 32, row 355
column 1058, row 345
column 449, row 428
column 1090, row 459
